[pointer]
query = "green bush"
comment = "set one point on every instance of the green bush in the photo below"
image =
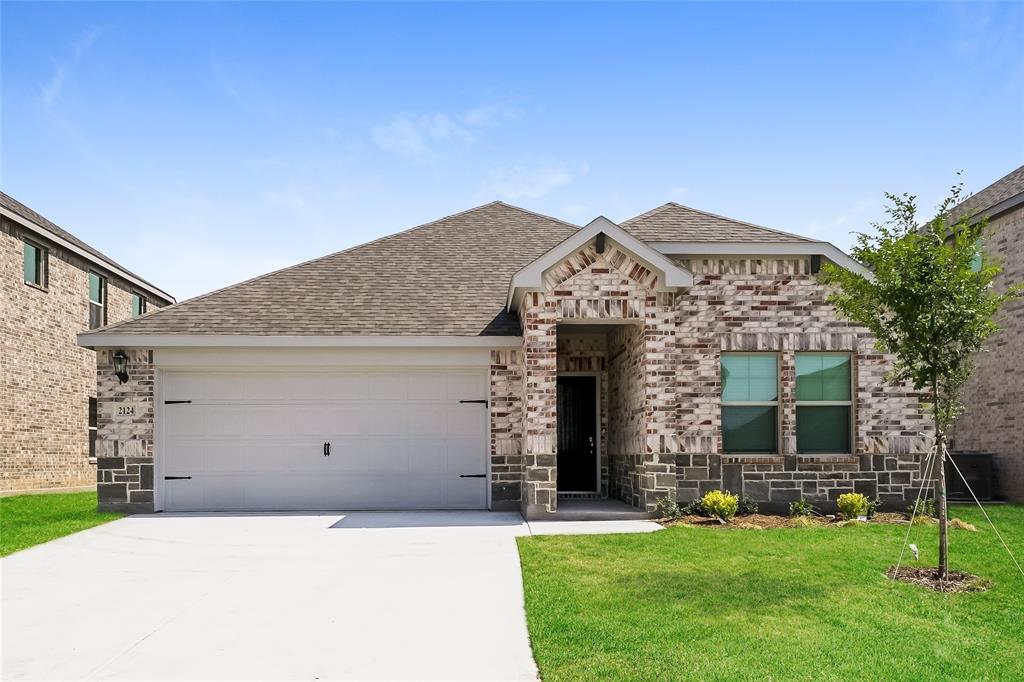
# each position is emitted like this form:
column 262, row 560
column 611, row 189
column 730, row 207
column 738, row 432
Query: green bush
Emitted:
column 747, row 507
column 669, row 509
column 852, row 505
column 925, row 507
column 802, row 508
column 873, row 504
column 694, row 508
column 722, row 505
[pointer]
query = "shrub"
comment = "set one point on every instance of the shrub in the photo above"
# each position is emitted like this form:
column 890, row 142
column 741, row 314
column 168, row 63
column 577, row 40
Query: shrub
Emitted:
column 669, row 509
column 746, row 507
column 723, row 505
column 802, row 508
column 694, row 508
column 925, row 507
column 873, row 504
column 852, row 505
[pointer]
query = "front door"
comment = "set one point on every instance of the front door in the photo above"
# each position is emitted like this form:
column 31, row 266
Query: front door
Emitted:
column 577, row 434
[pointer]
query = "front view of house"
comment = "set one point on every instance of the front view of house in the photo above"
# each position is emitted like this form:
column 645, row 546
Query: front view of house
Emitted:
column 500, row 359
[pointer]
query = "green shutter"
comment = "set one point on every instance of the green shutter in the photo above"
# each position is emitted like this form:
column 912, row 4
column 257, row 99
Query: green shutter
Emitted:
column 823, row 429
column 749, row 428
column 822, row 377
column 749, row 377
column 32, row 264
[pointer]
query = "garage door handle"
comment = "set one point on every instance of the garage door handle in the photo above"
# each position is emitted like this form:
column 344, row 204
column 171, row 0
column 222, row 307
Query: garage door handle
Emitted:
column 472, row 475
column 177, row 478
column 480, row 402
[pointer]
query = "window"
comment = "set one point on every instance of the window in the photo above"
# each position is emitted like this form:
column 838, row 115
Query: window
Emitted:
column 138, row 304
column 97, row 300
column 92, row 428
column 35, row 265
column 750, row 402
column 978, row 260
column 823, row 403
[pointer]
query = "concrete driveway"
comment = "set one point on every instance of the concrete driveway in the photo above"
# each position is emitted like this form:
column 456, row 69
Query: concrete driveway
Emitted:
column 290, row 596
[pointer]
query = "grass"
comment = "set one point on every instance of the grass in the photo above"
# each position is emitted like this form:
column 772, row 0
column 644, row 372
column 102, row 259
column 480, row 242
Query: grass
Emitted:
column 800, row 603
column 27, row 520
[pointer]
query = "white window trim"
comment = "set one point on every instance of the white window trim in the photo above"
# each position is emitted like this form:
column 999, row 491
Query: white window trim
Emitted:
column 44, row 264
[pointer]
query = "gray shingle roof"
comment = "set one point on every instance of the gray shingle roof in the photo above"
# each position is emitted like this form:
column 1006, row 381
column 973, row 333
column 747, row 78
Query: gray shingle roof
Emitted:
column 15, row 206
column 677, row 223
column 446, row 278
column 1003, row 189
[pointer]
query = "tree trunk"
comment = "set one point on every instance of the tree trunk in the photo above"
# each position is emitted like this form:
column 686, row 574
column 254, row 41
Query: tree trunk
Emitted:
column 940, row 452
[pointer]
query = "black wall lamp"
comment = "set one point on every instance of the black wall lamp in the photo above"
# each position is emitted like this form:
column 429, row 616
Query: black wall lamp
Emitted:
column 121, row 365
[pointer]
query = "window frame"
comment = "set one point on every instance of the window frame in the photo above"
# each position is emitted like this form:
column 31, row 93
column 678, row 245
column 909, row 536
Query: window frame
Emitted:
column 143, row 304
column 43, row 264
column 102, row 304
column 777, row 403
column 851, row 404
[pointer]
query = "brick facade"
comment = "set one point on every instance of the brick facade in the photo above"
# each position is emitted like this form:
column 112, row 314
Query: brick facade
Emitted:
column 993, row 421
column 47, row 378
column 661, row 366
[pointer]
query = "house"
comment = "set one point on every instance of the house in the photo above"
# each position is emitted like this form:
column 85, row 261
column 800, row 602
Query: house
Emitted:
column 500, row 359
column 993, row 421
column 52, row 286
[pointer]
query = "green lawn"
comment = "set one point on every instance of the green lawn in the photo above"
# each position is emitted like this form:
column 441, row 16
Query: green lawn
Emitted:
column 807, row 603
column 27, row 520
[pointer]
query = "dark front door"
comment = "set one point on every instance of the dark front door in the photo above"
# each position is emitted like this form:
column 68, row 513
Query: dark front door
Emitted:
column 577, row 434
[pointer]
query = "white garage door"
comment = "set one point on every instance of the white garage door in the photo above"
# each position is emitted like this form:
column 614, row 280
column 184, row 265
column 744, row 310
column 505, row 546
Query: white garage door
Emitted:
column 329, row 440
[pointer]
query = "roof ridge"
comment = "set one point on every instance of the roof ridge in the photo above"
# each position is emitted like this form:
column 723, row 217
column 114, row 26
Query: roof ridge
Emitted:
column 318, row 259
column 720, row 217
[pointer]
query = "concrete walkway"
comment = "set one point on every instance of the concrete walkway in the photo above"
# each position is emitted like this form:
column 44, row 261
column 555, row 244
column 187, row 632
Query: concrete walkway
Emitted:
column 279, row 596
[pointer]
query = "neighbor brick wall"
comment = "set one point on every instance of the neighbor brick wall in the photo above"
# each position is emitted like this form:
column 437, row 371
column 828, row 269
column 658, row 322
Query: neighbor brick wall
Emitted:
column 993, row 420
column 47, row 377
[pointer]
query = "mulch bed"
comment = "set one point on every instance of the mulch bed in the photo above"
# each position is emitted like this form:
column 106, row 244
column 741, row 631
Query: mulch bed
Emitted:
column 957, row 581
column 769, row 521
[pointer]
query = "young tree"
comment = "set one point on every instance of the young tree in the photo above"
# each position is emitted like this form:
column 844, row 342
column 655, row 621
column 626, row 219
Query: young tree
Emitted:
column 929, row 303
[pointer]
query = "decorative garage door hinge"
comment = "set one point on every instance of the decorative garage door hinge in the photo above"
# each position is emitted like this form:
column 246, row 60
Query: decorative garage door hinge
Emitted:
column 481, row 402
column 177, row 478
column 472, row 475
column 176, row 402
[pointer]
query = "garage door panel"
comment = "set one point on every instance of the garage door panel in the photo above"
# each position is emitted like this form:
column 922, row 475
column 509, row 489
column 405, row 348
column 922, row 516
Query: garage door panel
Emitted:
column 254, row 441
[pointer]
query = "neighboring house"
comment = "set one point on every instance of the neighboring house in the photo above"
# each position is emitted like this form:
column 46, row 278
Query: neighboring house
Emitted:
column 53, row 286
column 993, row 421
column 501, row 359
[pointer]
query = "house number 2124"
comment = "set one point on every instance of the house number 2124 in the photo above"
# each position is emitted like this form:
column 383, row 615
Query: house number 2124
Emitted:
column 126, row 410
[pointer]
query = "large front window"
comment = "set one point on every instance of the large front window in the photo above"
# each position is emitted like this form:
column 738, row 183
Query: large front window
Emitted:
column 750, row 402
column 823, row 403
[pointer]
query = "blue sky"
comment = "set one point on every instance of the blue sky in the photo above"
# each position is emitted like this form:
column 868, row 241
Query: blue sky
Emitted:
column 201, row 144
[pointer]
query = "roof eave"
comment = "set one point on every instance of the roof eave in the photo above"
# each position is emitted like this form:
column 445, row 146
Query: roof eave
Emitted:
column 65, row 244
column 113, row 339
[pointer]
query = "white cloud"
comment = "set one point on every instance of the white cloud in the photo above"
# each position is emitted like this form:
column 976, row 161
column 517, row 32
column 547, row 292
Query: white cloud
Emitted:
column 525, row 182
column 50, row 91
column 422, row 136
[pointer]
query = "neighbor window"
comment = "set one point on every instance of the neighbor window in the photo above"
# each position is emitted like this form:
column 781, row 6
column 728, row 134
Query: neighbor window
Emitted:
column 823, row 403
column 92, row 428
column 978, row 260
column 97, row 300
column 35, row 265
column 750, row 402
column 138, row 304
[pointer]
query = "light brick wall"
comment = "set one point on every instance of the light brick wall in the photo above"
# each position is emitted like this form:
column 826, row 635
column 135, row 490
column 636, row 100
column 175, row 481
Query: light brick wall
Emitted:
column 994, row 417
column 47, row 378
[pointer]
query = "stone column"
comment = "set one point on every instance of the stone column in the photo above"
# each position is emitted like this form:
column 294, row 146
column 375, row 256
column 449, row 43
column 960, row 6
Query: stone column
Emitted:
column 540, row 396
column 658, row 466
column 124, row 436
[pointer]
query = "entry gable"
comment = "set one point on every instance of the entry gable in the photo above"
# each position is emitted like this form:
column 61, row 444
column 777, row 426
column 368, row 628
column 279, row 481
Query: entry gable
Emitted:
column 622, row 250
